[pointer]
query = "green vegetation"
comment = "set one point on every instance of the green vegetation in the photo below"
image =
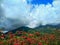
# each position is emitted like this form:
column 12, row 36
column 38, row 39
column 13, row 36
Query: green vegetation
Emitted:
column 38, row 36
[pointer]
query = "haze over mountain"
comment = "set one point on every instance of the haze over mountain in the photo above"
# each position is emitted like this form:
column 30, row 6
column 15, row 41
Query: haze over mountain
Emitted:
column 29, row 13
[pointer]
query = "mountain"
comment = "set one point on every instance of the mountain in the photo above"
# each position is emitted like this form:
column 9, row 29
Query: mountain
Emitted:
column 23, row 28
column 49, row 25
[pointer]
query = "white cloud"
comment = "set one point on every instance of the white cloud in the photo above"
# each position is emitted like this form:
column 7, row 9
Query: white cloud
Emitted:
column 46, row 13
column 16, row 9
column 20, row 10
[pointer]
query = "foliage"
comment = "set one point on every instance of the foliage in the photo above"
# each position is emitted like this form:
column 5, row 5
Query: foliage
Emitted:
column 32, row 37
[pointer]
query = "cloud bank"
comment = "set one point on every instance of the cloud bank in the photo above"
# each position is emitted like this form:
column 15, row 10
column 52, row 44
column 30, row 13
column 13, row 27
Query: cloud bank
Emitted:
column 45, row 14
column 23, row 14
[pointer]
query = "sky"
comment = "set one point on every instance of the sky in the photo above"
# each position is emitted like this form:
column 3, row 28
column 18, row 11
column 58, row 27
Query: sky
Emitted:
column 39, row 2
column 30, row 13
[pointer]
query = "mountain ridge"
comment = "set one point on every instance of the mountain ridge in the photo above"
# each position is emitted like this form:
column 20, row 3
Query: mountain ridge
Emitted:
column 23, row 28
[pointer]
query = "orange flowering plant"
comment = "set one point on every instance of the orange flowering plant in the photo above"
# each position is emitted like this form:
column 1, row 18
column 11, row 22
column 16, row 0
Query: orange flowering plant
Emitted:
column 27, row 38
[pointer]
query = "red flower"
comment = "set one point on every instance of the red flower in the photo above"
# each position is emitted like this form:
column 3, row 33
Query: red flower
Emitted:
column 32, row 42
column 2, row 36
column 10, row 41
column 29, row 39
column 31, row 35
column 45, row 38
column 52, row 37
column 11, row 35
column 37, row 33
column 24, row 37
column 15, row 39
column 22, row 43
column 1, row 43
column 47, row 42
column 24, row 33
column 16, row 44
column 40, row 43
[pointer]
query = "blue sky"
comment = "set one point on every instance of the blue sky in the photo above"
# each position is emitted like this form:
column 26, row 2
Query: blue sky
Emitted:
column 40, row 2
column 30, row 13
